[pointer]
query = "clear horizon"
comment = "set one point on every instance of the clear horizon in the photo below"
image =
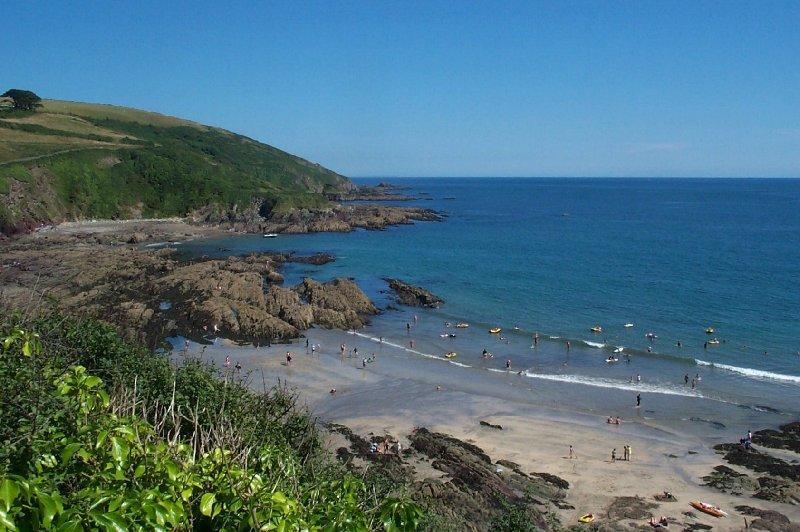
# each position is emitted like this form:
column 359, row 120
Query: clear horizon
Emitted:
column 439, row 89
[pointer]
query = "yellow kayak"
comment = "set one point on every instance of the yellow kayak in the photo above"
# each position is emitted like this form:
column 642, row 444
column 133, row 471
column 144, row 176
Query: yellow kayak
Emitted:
column 588, row 518
column 495, row 330
column 451, row 354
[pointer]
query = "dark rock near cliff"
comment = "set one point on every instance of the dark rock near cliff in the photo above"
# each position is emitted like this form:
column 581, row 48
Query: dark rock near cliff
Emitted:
column 379, row 192
column 414, row 295
column 726, row 479
column 788, row 437
column 337, row 218
column 317, row 259
column 758, row 461
column 472, row 494
column 150, row 294
column 768, row 520
column 778, row 490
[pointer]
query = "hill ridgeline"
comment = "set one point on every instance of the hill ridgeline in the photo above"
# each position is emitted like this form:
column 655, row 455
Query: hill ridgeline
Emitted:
column 69, row 161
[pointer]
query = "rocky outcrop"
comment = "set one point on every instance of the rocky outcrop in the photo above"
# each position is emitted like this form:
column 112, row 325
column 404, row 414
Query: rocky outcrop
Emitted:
column 778, row 490
column 768, row 520
column 788, row 437
column 258, row 217
column 473, row 493
column 477, row 489
column 780, row 480
column 728, row 480
column 150, row 295
column 379, row 192
column 341, row 295
column 758, row 461
column 414, row 296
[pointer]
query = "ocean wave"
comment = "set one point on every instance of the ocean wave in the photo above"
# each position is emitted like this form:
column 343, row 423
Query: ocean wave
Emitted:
column 611, row 383
column 598, row 345
column 751, row 373
column 408, row 349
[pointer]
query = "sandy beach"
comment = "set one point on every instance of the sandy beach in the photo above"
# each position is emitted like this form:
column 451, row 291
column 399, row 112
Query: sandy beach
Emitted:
column 372, row 401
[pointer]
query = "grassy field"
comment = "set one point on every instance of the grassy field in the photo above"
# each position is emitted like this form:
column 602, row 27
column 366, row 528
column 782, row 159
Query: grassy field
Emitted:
column 72, row 160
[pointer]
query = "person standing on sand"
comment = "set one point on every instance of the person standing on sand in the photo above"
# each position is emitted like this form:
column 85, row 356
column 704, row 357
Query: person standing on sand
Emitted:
column 614, row 454
column 572, row 454
column 227, row 361
column 638, row 400
column 630, row 453
column 411, row 343
column 288, row 358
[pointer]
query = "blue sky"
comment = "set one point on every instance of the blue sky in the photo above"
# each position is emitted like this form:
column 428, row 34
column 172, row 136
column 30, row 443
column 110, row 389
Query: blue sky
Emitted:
column 443, row 88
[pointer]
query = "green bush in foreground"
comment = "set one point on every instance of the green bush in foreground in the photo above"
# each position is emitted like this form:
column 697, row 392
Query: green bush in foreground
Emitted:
column 75, row 456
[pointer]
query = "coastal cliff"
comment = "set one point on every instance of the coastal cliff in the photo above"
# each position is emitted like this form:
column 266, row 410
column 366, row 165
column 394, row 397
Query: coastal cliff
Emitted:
column 70, row 161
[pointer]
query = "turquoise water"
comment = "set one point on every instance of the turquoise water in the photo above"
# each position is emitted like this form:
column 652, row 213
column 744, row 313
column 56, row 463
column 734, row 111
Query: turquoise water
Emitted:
column 557, row 256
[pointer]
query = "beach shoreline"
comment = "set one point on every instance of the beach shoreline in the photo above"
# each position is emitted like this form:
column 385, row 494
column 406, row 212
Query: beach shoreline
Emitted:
column 537, row 437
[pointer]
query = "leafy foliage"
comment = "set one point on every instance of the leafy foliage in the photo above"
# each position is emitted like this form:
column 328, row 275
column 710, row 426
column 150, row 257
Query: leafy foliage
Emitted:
column 76, row 456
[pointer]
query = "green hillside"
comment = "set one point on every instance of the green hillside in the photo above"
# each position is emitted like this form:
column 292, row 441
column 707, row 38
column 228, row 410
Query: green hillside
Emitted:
column 70, row 160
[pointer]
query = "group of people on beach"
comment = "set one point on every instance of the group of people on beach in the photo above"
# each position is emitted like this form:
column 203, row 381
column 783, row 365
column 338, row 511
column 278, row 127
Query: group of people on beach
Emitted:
column 386, row 446
column 626, row 454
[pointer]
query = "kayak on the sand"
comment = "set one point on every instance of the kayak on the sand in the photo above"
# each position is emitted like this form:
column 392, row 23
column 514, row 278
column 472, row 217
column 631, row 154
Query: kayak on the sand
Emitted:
column 708, row 508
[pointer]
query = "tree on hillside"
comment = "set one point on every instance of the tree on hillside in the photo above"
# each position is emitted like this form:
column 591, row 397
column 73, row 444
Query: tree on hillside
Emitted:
column 23, row 100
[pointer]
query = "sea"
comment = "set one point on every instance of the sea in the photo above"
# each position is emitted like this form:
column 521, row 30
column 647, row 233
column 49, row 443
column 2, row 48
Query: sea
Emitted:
column 654, row 262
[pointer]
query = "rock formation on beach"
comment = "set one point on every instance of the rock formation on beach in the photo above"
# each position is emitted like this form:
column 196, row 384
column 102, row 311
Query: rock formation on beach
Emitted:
column 414, row 296
column 775, row 480
column 472, row 493
column 151, row 294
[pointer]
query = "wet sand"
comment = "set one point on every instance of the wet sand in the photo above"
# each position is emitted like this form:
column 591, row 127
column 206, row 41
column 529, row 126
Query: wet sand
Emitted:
column 383, row 399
